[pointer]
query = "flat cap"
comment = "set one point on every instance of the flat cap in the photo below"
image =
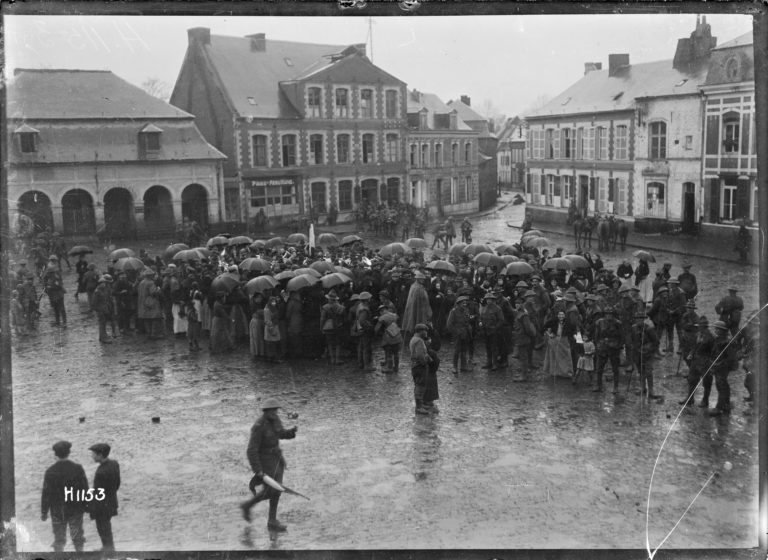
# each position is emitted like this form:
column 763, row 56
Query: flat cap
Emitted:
column 420, row 327
column 101, row 448
column 61, row 448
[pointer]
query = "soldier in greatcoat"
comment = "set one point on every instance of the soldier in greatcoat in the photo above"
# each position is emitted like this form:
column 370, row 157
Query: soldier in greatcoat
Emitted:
column 729, row 308
column 699, row 361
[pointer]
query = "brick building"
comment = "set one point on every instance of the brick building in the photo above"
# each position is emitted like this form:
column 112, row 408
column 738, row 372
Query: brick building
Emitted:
column 87, row 149
column 305, row 127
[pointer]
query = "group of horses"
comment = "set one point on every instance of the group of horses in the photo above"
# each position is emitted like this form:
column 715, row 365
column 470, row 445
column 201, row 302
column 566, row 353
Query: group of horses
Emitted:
column 608, row 229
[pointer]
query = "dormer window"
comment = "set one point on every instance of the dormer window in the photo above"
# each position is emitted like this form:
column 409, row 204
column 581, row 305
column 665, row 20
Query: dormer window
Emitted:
column 149, row 140
column 314, row 102
column 27, row 139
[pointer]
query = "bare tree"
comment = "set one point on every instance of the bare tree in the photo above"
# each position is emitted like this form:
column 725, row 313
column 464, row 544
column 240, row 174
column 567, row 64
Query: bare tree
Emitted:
column 157, row 88
column 496, row 118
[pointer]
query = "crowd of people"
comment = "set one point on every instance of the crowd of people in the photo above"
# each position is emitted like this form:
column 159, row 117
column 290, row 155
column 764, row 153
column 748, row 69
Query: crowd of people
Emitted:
column 581, row 319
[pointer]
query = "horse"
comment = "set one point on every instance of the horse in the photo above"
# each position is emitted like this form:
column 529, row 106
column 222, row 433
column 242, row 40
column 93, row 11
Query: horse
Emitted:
column 582, row 229
column 605, row 227
column 621, row 230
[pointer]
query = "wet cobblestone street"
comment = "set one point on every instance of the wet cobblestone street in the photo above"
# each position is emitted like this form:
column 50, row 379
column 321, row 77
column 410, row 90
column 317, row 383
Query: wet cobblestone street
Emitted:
column 543, row 464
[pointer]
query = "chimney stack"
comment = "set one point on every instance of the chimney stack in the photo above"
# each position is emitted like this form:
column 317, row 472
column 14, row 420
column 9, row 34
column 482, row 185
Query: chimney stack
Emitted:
column 258, row 42
column 466, row 100
column 616, row 62
column 592, row 66
column 201, row 34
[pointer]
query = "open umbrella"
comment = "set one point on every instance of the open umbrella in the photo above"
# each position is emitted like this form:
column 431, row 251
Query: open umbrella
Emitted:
column 240, row 240
column 322, row 267
column 576, row 261
column 350, row 239
column 274, row 242
column 442, row 266
column 218, row 241
column 335, row 279
column 308, row 271
column 644, row 256
column 207, row 253
column 537, row 242
column 507, row 249
column 254, row 264
column 327, row 240
column 224, row 282
column 171, row 251
column 457, row 249
column 416, row 243
column 394, row 249
column 533, row 232
column 489, row 259
column 128, row 263
column 257, row 244
column 260, row 283
column 301, row 281
column 343, row 270
column 225, row 235
column 477, row 248
column 187, row 255
column 518, row 269
column 509, row 258
column 285, row 275
column 296, row 238
column 79, row 250
column 122, row 253
column 557, row 263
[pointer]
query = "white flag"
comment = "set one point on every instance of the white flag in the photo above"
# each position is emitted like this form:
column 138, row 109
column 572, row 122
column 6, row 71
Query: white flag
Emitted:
column 311, row 236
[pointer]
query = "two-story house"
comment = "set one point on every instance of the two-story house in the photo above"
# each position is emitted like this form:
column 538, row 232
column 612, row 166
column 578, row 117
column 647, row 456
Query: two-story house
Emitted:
column 306, row 127
column 510, row 156
column 87, row 149
column 443, row 157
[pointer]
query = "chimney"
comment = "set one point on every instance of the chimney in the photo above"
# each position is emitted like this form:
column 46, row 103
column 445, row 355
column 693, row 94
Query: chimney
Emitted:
column 616, row 62
column 465, row 99
column 258, row 42
column 694, row 51
column 415, row 95
column 592, row 66
column 200, row 34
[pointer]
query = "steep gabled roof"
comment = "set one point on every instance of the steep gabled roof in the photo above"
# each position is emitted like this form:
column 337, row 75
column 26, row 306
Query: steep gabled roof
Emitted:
column 597, row 92
column 739, row 41
column 434, row 106
column 466, row 112
column 514, row 131
column 82, row 94
column 256, row 74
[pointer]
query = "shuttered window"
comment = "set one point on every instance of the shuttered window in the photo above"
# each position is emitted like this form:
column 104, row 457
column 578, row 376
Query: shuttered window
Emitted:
column 602, row 195
column 714, row 200
column 745, row 134
column 713, row 134
column 621, row 187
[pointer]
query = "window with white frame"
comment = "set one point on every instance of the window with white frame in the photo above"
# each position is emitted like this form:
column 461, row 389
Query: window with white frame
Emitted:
column 316, row 149
column 467, row 189
column 655, row 199
column 566, row 143
column 390, row 103
column 658, row 140
column 260, row 152
column 425, row 155
column 621, row 192
column 314, row 102
column 454, row 154
column 538, row 144
column 438, row 155
column 580, row 143
column 728, row 204
column 414, row 155
column 345, row 195
column 620, row 143
column 392, row 148
column 318, row 191
column 731, row 132
column 288, row 147
column 602, row 143
column 549, row 144
column 366, row 103
column 368, row 148
column 341, row 103
column 589, row 143
column 567, row 188
column 467, row 153
column 550, row 193
column 28, row 142
column 454, row 190
column 342, row 148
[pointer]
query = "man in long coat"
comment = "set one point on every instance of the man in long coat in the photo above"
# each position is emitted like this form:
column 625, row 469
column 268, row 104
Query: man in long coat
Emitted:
column 417, row 308
column 107, row 478
column 65, row 508
column 149, row 311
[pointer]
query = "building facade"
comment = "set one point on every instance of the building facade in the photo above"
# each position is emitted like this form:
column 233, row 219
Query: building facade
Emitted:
column 88, row 150
column 308, row 129
column 443, row 157
column 510, row 156
column 729, row 164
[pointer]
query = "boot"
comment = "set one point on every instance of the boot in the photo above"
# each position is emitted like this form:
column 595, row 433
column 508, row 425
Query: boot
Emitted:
column 705, row 399
column 420, row 408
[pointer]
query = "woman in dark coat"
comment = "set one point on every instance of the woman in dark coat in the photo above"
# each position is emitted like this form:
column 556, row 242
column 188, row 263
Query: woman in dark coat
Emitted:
column 266, row 458
column 221, row 339
column 431, row 392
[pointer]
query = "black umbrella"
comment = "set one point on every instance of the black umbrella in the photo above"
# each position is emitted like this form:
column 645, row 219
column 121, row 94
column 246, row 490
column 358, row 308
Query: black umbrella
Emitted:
column 80, row 250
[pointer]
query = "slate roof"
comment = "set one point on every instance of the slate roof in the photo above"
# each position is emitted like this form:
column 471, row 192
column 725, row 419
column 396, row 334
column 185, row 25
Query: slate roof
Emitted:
column 245, row 73
column 82, row 94
column 739, row 41
column 597, row 92
column 514, row 131
column 434, row 105
column 469, row 115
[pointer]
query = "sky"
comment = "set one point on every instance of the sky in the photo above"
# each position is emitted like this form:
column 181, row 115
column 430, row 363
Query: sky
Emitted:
column 511, row 62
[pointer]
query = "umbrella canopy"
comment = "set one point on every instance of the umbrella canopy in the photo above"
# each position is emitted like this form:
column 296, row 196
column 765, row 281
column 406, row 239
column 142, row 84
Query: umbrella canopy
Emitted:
column 576, row 261
column 327, row 240
column 507, row 249
column 224, row 282
column 509, row 258
column 257, row 244
column 442, row 266
column 322, row 267
column 477, row 248
column 533, row 232
column 80, row 250
column 259, row 265
column 225, row 235
column 297, row 238
column 489, row 259
column 122, row 253
column 240, row 240
column 349, row 239
column 260, row 284
column 416, row 243
column 308, row 271
column 285, row 275
column 274, row 242
column 644, row 256
column 537, row 242
column 343, row 270
column 558, row 263
column 188, row 255
column 204, row 252
column 457, row 249
column 128, row 263
column 170, row 252
column 335, row 279
column 518, row 269
column 394, row 249
column 301, row 281
column 218, row 241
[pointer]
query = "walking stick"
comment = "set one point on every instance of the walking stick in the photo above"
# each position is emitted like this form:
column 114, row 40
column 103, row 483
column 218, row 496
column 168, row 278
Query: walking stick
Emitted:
column 680, row 359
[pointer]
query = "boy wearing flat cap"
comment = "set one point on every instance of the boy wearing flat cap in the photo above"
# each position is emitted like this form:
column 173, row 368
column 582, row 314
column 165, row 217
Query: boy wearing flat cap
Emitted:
column 64, row 475
column 107, row 478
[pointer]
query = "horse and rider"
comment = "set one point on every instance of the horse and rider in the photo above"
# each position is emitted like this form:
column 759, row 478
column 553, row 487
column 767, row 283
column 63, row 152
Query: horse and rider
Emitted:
column 609, row 230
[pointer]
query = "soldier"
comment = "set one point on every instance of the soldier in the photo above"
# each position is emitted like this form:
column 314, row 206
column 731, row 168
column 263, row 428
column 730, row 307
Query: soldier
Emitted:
column 699, row 361
column 729, row 308
column 362, row 329
column 724, row 360
column 676, row 307
column 688, row 282
column 491, row 321
column 608, row 337
column 659, row 312
column 104, row 307
column 64, row 481
column 450, row 232
column 750, row 347
column 29, row 302
column 59, row 248
column 107, row 478
column 645, row 344
column 125, row 302
column 54, row 287
column 504, row 338
column 466, row 231
column 523, row 333
column 90, row 282
column 266, row 457
column 573, row 318
column 331, row 321
column 419, row 363
column 687, row 330
column 459, row 325
column 392, row 339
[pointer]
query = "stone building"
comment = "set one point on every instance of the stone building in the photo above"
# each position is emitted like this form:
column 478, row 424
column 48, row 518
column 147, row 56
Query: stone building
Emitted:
column 306, row 128
column 510, row 156
column 87, row 149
